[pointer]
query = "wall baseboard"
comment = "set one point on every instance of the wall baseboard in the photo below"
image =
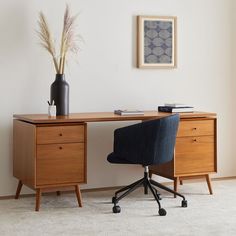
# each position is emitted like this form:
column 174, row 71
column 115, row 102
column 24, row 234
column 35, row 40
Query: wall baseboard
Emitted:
column 111, row 188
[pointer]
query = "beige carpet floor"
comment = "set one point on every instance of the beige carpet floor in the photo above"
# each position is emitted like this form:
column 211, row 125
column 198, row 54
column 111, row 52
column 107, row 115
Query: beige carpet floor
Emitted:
column 59, row 215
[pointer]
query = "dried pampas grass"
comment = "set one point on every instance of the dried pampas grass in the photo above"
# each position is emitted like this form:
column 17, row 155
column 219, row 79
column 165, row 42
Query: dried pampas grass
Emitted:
column 69, row 41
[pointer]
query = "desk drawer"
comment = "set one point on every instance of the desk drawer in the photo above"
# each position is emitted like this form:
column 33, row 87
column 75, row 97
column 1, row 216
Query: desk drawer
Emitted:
column 60, row 163
column 195, row 128
column 194, row 155
column 60, row 134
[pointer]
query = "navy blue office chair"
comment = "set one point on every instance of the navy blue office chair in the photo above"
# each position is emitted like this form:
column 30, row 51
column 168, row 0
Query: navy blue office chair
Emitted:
column 147, row 143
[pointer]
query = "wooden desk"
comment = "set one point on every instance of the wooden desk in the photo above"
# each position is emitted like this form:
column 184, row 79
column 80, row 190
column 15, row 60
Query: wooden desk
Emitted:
column 50, row 153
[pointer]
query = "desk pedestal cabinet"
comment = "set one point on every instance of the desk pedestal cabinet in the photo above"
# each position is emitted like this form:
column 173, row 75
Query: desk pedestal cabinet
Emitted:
column 49, row 156
column 195, row 152
column 50, row 153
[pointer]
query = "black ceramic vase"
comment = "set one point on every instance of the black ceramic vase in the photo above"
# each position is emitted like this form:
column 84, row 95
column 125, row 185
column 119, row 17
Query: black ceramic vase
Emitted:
column 60, row 95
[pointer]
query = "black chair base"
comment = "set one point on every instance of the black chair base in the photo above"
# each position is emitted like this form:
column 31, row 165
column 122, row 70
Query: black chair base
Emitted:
column 147, row 184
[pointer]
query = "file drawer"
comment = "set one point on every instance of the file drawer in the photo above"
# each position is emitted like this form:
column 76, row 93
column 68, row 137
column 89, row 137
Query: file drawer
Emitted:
column 60, row 163
column 60, row 134
column 196, row 128
column 194, row 155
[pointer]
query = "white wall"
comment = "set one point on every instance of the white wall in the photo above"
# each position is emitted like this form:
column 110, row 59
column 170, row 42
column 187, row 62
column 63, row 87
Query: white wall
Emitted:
column 233, row 80
column 105, row 77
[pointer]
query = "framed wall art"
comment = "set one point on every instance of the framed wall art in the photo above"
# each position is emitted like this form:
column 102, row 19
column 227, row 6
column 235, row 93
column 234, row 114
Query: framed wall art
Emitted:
column 156, row 41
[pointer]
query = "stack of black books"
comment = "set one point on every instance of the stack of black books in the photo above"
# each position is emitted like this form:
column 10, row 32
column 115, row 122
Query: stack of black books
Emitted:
column 175, row 108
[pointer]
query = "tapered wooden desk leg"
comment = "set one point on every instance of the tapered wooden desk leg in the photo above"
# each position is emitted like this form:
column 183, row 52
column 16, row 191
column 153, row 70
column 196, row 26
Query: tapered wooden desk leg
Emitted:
column 18, row 189
column 181, row 182
column 209, row 183
column 78, row 195
column 176, row 181
column 38, row 199
column 58, row 193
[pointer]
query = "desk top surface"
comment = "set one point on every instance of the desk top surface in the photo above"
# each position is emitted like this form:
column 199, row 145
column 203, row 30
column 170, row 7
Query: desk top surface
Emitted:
column 104, row 116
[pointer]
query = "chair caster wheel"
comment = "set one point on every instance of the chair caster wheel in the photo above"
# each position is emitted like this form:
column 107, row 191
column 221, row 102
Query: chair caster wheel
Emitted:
column 113, row 200
column 184, row 203
column 162, row 212
column 116, row 209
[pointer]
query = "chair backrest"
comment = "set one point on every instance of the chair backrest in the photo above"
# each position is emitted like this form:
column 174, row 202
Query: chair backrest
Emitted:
column 165, row 138
column 147, row 143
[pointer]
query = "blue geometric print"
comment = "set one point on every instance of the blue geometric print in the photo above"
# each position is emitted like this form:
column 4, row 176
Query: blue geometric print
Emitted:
column 158, row 36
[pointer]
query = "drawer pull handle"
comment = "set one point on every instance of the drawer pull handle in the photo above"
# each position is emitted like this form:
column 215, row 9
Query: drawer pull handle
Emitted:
column 60, row 148
column 195, row 140
column 194, row 128
column 60, row 134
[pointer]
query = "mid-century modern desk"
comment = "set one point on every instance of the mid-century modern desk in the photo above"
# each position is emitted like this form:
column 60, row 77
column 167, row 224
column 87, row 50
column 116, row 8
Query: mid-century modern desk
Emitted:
column 50, row 153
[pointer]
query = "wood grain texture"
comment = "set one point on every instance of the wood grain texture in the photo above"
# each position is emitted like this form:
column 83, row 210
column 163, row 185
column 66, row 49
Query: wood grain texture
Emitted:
column 18, row 190
column 85, row 153
column 165, row 169
column 104, row 116
column 63, row 163
column 195, row 151
column 60, row 163
column 78, row 195
column 194, row 154
column 24, row 152
column 176, row 183
column 196, row 128
column 38, row 199
column 60, row 134
column 209, row 184
column 215, row 146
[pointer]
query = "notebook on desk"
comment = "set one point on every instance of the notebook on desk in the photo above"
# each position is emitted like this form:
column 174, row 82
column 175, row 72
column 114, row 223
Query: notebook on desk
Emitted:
column 128, row 112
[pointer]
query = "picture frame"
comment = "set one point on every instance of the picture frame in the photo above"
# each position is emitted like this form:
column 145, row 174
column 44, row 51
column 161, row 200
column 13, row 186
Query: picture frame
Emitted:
column 156, row 41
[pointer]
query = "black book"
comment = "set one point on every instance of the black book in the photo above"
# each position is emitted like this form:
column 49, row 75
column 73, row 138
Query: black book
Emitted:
column 175, row 109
